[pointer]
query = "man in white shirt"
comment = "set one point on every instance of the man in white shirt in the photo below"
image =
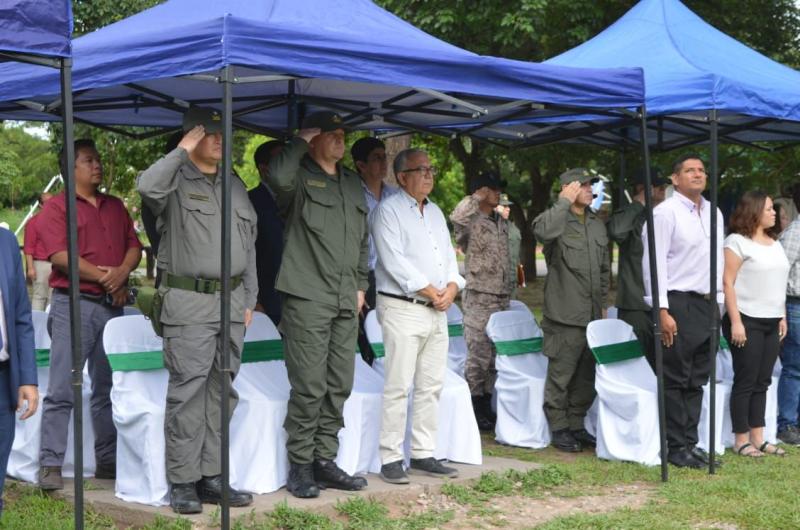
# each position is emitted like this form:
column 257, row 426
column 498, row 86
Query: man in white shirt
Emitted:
column 682, row 226
column 417, row 279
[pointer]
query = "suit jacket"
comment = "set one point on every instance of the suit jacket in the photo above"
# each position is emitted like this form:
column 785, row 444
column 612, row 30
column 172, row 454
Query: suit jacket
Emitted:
column 17, row 308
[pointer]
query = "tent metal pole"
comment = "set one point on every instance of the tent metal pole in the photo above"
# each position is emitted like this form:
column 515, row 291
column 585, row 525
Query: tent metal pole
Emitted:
column 622, row 171
column 291, row 109
column 74, row 287
column 656, row 309
column 226, row 78
column 714, row 309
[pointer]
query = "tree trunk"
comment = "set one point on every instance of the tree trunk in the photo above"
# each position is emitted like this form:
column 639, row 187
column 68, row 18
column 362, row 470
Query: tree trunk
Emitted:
column 394, row 145
column 540, row 197
column 472, row 160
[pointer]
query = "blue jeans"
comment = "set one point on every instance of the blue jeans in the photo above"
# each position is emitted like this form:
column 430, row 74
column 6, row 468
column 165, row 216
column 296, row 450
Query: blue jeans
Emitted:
column 789, row 384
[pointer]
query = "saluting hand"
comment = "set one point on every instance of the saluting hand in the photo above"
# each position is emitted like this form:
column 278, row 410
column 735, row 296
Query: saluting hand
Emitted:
column 571, row 191
column 192, row 138
column 308, row 134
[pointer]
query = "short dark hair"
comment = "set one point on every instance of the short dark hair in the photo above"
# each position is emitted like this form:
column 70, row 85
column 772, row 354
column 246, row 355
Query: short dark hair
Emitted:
column 81, row 143
column 363, row 147
column 747, row 215
column 263, row 153
column 678, row 164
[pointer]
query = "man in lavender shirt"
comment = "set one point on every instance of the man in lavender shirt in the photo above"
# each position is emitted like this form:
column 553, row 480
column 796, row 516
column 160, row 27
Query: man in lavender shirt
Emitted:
column 682, row 226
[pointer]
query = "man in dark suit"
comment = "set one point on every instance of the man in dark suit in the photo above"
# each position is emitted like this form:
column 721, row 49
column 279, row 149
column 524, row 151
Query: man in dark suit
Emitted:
column 18, row 390
column 269, row 242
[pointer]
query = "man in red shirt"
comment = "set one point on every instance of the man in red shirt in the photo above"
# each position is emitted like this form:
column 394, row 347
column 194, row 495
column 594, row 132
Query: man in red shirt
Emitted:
column 108, row 251
column 37, row 266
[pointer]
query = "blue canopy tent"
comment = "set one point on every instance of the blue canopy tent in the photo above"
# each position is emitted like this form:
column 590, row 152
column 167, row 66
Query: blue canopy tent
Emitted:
column 701, row 86
column 353, row 56
column 38, row 32
column 266, row 63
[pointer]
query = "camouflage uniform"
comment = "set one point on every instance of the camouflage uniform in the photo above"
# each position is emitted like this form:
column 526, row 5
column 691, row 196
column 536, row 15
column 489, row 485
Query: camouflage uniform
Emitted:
column 485, row 240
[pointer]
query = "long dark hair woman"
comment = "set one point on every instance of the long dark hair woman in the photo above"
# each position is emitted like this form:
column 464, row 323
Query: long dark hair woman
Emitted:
column 754, row 282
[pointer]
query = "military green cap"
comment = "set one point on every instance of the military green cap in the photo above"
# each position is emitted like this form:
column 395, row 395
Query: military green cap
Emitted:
column 580, row 174
column 210, row 119
column 325, row 121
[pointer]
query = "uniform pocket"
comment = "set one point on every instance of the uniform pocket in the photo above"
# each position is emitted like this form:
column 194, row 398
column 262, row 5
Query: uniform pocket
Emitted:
column 244, row 222
column 198, row 218
column 316, row 207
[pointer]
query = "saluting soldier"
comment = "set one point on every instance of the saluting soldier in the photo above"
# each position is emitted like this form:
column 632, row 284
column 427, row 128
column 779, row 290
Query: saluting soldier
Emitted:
column 625, row 228
column 483, row 234
column 184, row 190
column 323, row 278
column 575, row 292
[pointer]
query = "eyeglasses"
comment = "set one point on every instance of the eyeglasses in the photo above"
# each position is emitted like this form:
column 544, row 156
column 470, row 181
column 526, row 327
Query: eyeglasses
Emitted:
column 421, row 169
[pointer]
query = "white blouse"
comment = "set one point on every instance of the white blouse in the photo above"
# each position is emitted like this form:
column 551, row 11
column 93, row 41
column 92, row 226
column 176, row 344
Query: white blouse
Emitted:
column 761, row 283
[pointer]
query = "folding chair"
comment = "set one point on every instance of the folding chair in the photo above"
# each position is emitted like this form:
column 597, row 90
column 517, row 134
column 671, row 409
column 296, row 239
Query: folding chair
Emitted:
column 521, row 375
column 627, row 406
column 23, row 462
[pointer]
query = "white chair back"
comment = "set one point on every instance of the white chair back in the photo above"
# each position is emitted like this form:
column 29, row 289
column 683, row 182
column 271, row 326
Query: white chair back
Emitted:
column 626, row 363
column 518, row 340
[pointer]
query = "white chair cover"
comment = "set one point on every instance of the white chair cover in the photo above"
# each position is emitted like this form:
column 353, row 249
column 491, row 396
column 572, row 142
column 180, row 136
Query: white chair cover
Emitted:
column 457, row 350
column 23, row 462
column 458, row 438
column 771, row 414
column 521, row 375
column 129, row 310
column 612, row 312
column 138, row 398
column 359, row 447
column 627, row 415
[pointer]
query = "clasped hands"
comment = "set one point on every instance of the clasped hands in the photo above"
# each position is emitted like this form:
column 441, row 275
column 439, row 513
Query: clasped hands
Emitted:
column 115, row 283
column 442, row 298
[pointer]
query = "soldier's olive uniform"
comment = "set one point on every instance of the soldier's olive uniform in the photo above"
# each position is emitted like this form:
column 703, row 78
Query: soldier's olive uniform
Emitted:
column 485, row 240
column 576, row 250
column 188, row 205
column 324, row 265
column 625, row 228
column 514, row 244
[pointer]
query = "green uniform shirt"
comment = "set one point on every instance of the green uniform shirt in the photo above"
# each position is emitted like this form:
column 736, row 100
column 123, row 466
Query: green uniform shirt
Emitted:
column 514, row 244
column 576, row 287
column 625, row 228
column 188, row 206
column 326, row 245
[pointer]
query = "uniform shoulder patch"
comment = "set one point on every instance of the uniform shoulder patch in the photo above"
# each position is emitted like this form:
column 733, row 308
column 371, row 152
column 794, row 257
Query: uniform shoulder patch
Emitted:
column 317, row 183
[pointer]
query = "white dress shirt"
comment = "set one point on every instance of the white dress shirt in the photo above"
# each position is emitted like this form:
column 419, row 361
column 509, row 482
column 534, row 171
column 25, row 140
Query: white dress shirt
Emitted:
column 387, row 190
column 4, row 356
column 414, row 248
column 682, row 240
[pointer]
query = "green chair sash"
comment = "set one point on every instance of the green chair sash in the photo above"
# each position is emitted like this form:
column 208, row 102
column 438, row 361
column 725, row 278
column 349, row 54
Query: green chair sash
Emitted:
column 621, row 351
column 43, row 357
column 254, row 352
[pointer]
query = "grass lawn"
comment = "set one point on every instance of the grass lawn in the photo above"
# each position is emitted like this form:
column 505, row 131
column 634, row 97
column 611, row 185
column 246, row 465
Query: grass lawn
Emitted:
column 744, row 494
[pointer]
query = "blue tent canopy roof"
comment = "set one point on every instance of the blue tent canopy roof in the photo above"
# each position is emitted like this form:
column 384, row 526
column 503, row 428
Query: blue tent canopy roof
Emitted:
column 37, row 27
column 691, row 68
column 350, row 55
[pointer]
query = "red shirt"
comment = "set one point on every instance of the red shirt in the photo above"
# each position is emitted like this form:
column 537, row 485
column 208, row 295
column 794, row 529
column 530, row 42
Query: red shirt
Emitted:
column 105, row 233
column 33, row 243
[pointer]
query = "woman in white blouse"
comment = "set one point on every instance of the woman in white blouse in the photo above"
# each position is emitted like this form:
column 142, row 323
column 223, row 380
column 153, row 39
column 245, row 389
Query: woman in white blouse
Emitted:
column 754, row 282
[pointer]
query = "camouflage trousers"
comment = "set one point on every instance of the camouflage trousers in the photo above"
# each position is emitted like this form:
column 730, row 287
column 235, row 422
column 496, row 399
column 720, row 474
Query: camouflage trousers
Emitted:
column 479, row 370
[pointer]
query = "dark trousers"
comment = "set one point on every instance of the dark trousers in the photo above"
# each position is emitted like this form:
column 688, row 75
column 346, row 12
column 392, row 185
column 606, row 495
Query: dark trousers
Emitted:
column 363, row 344
column 57, row 404
column 686, row 367
column 642, row 325
column 752, row 370
column 7, row 424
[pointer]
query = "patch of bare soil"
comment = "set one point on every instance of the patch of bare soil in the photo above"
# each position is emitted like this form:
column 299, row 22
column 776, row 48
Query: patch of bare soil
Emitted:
column 526, row 512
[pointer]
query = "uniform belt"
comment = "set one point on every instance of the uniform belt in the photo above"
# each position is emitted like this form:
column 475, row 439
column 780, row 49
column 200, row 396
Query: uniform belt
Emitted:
column 94, row 298
column 199, row 285
column 407, row 299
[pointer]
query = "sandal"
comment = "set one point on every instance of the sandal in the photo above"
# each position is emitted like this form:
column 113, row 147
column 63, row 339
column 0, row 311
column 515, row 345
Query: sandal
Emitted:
column 770, row 449
column 748, row 449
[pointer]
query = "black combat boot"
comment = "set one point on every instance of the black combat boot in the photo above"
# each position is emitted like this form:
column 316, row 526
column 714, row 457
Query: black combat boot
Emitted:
column 183, row 498
column 482, row 415
column 301, row 481
column 209, row 489
column 328, row 475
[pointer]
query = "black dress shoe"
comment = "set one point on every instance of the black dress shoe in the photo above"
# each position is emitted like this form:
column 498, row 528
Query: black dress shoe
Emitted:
column 702, row 456
column 301, row 482
column 328, row 475
column 683, row 458
column 209, row 489
column 183, row 498
column 483, row 417
column 432, row 467
column 584, row 438
column 563, row 440
column 393, row 473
